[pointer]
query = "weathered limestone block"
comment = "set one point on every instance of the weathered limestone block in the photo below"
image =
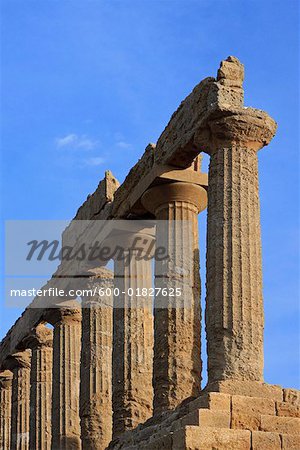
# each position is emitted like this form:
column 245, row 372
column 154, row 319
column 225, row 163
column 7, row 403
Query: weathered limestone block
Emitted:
column 40, row 343
column 197, row 438
column 96, row 201
column 227, row 90
column 287, row 425
column 291, row 396
column 121, row 204
column 178, row 148
column 96, row 364
column 247, row 411
column 213, row 400
column 290, row 442
column 287, row 409
column 5, row 408
column 262, row 440
column 234, row 305
column 231, row 72
column 207, row 418
column 247, row 388
column 65, row 377
column 133, row 334
column 177, row 362
column 19, row 364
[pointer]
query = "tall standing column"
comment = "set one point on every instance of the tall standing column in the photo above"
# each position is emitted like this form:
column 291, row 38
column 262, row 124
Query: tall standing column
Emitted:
column 234, row 304
column 65, row 378
column 133, row 334
column 177, row 316
column 40, row 342
column 5, row 409
column 19, row 364
column 96, row 363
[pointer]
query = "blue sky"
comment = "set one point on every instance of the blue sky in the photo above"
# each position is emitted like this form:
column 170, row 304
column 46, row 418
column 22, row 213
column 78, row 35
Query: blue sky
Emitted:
column 86, row 85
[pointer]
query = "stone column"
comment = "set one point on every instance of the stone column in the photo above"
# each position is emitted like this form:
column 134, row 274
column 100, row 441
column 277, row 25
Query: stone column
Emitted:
column 5, row 409
column 65, row 377
column 96, row 363
column 234, row 303
column 177, row 362
column 133, row 333
column 40, row 342
column 19, row 364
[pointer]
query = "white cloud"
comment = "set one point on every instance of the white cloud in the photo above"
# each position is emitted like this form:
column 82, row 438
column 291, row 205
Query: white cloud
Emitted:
column 123, row 144
column 74, row 141
column 96, row 161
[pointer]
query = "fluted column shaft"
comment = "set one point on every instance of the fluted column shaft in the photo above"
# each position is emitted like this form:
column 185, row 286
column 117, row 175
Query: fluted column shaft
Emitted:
column 65, row 378
column 40, row 342
column 19, row 364
column 132, row 339
column 234, row 304
column 96, row 364
column 5, row 409
column 177, row 336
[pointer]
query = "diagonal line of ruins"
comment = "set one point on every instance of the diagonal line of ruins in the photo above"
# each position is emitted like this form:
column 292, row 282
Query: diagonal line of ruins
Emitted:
column 126, row 373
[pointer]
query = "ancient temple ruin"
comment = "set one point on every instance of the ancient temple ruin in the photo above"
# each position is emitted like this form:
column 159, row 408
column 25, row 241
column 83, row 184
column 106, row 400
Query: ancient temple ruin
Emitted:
column 122, row 376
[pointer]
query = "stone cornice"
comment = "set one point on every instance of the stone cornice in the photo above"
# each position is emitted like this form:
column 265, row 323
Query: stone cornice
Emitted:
column 41, row 336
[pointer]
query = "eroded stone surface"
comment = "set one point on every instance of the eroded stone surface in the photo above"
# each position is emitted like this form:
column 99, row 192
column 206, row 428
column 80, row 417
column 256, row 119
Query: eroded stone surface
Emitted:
column 5, row 408
column 211, row 119
column 96, row 364
column 287, row 409
column 19, row 364
column 133, row 340
column 286, row 425
column 247, row 411
column 234, row 303
column 265, row 441
column 177, row 363
column 290, row 442
column 291, row 396
column 40, row 343
column 66, row 378
column 195, row 438
column 247, row 388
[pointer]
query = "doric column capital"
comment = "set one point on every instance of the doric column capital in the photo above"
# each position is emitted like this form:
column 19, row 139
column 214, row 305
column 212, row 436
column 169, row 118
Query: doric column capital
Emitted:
column 69, row 312
column 131, row 236
column 40, row 336
column 158, row 196
column 250, row 128
column 18, row 360
column 5, row 379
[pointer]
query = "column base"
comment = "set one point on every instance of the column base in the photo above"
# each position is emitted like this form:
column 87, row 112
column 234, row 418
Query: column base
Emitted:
column 224, row 421
column 248, row 388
